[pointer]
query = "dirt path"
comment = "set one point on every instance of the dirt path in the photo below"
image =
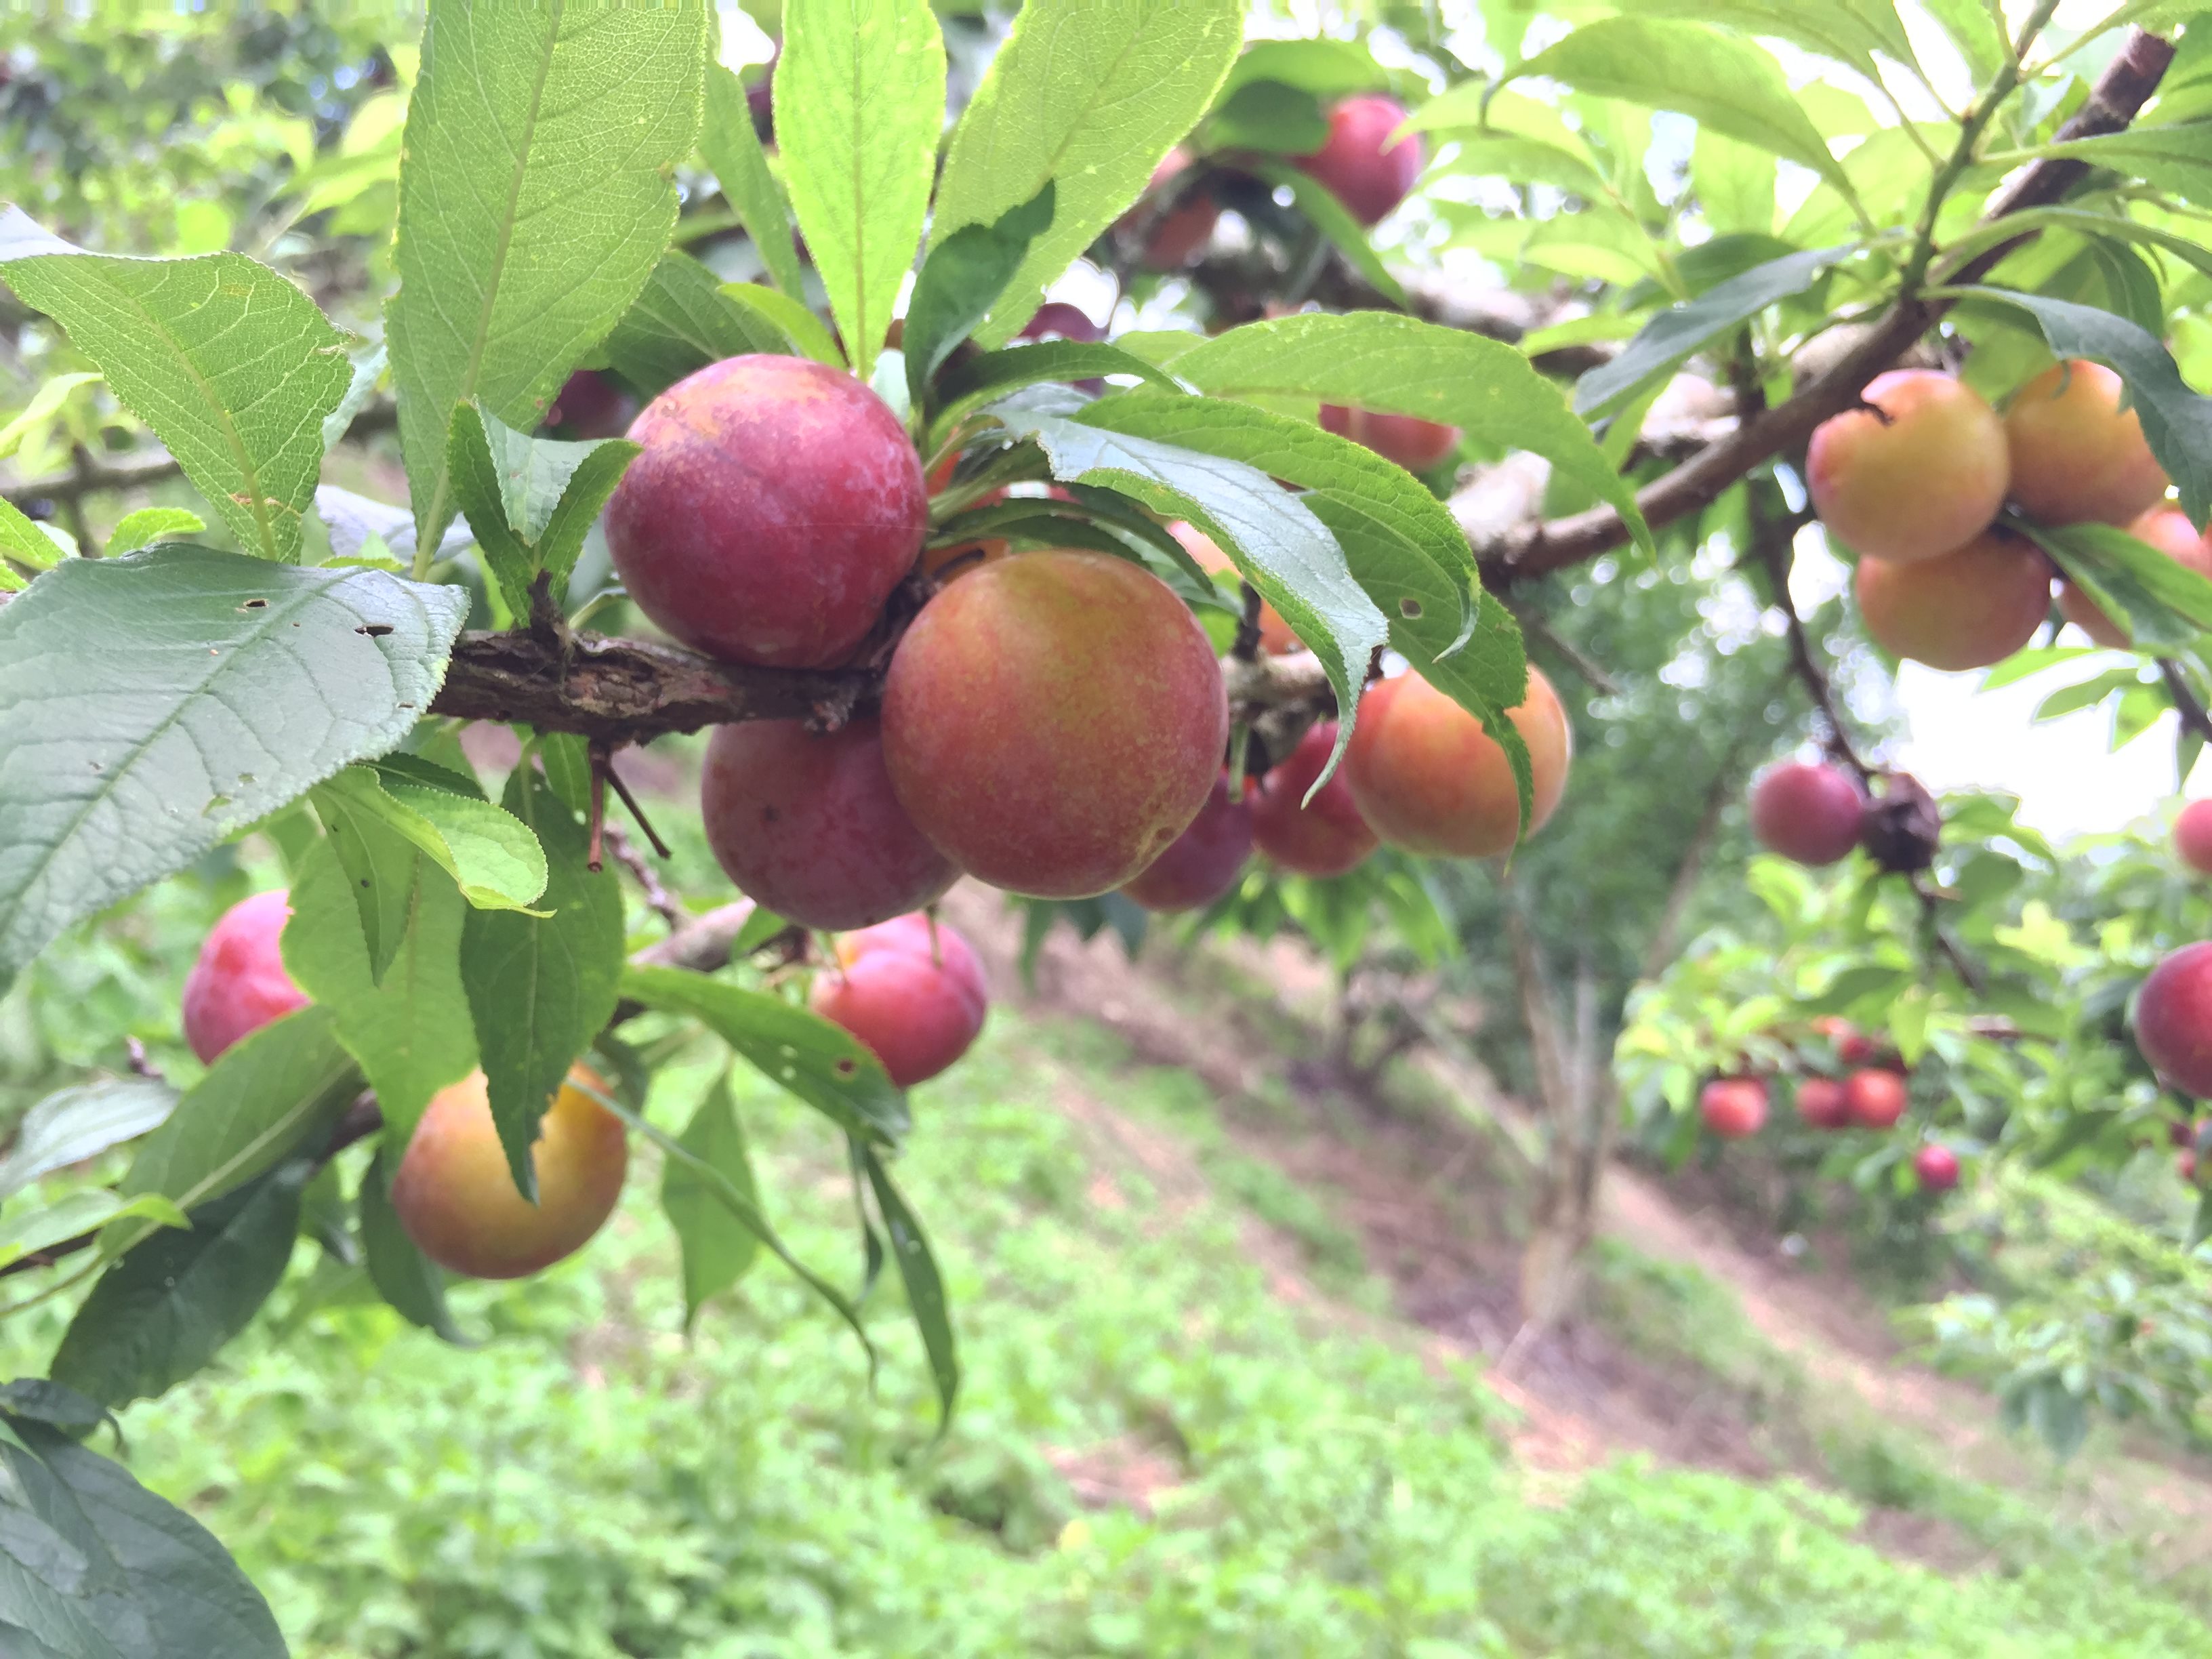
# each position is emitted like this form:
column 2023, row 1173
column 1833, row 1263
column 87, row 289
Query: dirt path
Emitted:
column 1430, row 1201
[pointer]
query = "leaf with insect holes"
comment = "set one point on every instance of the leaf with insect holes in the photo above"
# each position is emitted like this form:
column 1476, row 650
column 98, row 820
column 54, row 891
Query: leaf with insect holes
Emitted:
column 530, row 500
column 717, row 1246
column 232, row 366
column 537, row 193
column 224, row 687
column 1272, row 538
column 733, row 150
column 1090, row 94
column 860, row 100
column 682, row 323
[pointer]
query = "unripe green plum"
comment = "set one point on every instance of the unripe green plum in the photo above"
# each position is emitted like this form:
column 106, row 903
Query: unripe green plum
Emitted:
column 1417, row 444
column 2173, row 1019
column 1327, row 838
column 1925, row 475
column 2169, row 529
column 2078, row 457
column 238, row 983
column 1429, row 780
column 1359, row 164
column 1974, row 606
column 455, row 1196
column 807, row 824
column 2192, row 835
column 912, row 994
column 1053, row 721
column 1812, row 814
column 1202, row 863
column 776, row 505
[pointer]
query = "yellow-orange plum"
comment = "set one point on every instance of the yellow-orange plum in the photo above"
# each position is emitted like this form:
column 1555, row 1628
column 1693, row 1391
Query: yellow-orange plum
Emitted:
column 1974, row 606
column 1429, row 779
column 1924, row 475
column 2078, row 457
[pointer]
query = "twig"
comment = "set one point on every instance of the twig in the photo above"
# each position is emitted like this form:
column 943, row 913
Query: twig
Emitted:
column 629, row 801
column 139, row 470
column 1592, row 672
column 135, row 1054
column 657, row 896
column 598, row 814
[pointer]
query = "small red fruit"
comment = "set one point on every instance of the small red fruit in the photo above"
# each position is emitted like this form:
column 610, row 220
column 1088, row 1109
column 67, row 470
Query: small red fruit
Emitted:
column 1810, row 814
column 1937, row 1168
column 1733, row 1108
column 1876, row 1097
column 2184, row 1165
column 1325, row 839
column 1417, row 444
column 1853, row 1046
column 2173, row 1019
column 1175, row 236
column 1359, row 164
column 1822, row 1103
column 2192, row 835
column 912, row 994
column 237, row 984
column 1203, row 862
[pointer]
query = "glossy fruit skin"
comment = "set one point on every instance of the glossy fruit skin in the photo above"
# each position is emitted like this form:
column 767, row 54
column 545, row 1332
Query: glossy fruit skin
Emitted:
column 1353, row 163
column 455, row 1196
column 1876, row 1097
column 776, row 505
column 916, row 1012
column 1053, row 721
column 1937, row 1168
column 2173, row 1019
column 1325, row 839
column 2192, row 835
column 1178, row 235
column 1973, row 607
column 1930, row 480
column 2077, row 457
column 1429, row 781
column 1275, row 635
column 1733, row 1108
column 2169, row 529
column 808, row 826
column 1822, row 1103
column 238, row 983
column 1811, row 814
column 1202, row 863
column 1417, row 444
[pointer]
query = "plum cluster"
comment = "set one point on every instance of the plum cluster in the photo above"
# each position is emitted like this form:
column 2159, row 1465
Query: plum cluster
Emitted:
column 1848, row 1082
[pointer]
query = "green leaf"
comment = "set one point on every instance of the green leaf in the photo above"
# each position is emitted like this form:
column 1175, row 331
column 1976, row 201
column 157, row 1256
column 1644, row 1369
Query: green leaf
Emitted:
column 1327, row 69
column 860, row 101
column 230, row 364
column 1975, row 31
column 410, row 1281
column 1853, row 32
column 541, row 987
column 961, row 280
column 2164, row 605
column 2177, row 422
column 1090, row 95
column 1268, row 117
column 72, row 1125
column 924, row 1286
column 408, row 1026
column 222, row 687
column 488, row 851
column 1673, row 336
column 800, row 329
column 1272, row 538
column 793, row 1047
column 165, row 1311
column 682, row 323
column 1334, row 221
column 25, row 544
column 1718, row 80
column 150, row 525
column 38, row 416
column 718, row 1245
column 994, row 373
column 101, row 1568
column 278, row 1090
column 21, row 1235
column 1528, row 160
column 733, row 150
column 1401, row 366
column 531, row 501
column 2176, row 158
column 536, row 195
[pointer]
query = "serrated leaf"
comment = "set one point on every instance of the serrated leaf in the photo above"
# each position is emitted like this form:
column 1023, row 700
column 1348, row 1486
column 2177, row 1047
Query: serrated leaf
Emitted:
column 2166, row 605
column 1401, row 366
column 1334, row 221
column 536, row 195
column 541, row 987
column 733, row 150
column 115, row 1571
column 72, row 1125
column 165, row 1311
column 1852, row 32
column 232, row 366
column 860, row 101
column 682, row 323
column 1327, row 68
column 277, row 1092
column 531, row 501
column 800, row 331
column 25, row 1232
column 717, row 1246
column 2176, row 158
column 222, row 687
column 364, row 371
column 1090, row 94
column 1272, row 538
column 793, row 1047
column 1977, row 33
column 959, row 283
column 994, row 373
column 1672, row 336
column 1268, row 117
column 489, row 852
column 2177, row 422
column 925, row 1284
column 408, row 1026
column 150, row 525
column 1718, row 80
column 413, row 1284
column 38, row 416
column 25, row 544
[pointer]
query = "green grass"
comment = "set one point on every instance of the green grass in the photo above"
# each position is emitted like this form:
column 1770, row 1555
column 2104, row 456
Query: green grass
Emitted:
column 589, row 1484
